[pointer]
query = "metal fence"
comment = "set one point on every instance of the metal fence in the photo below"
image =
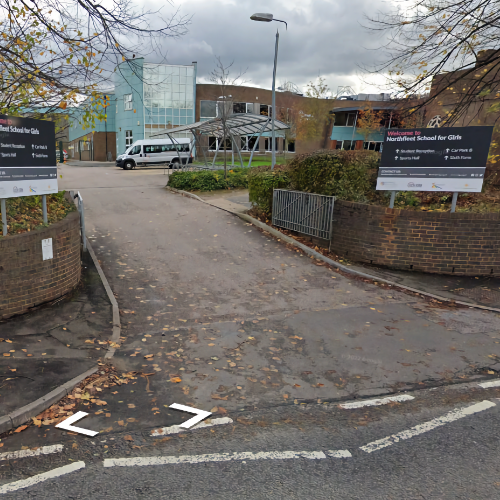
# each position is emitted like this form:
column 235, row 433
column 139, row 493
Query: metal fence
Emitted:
column 305, row 213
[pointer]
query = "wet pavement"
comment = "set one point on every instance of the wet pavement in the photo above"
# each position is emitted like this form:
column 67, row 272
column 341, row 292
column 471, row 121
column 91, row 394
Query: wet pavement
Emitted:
column 54, row 343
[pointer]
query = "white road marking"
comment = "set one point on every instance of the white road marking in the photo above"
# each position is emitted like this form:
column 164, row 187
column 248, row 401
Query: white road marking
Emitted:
column 66, row 424
column 494, row 383
column 40, row 478
column 339, row 453
column 44, row 450
column 175, row 429
column 376, row 402
column 199, row 414
column 427, row 426
column 222, row 457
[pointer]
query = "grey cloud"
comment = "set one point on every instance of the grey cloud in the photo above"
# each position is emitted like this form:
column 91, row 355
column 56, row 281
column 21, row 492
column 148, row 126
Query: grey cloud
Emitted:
column 324, row 36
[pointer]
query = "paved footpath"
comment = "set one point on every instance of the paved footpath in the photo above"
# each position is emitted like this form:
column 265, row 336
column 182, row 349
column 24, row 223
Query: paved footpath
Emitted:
column 219, row 315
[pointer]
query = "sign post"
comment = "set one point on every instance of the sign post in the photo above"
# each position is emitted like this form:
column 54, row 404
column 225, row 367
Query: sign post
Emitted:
column 434, row 159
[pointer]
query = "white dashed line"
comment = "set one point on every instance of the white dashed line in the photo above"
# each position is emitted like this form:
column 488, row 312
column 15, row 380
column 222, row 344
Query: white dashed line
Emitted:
column 376, row 402
column 223, row 457
column 175, row 429
column 427, row 426
column 44, row 450
column 339, row 453
column 40, row 478
column 494, row 383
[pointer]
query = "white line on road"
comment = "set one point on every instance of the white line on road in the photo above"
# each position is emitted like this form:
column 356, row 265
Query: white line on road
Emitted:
column 44, row 450
column 222, row 457
column 376, row 402
column 175, row 429
column 494, row 383
column 40, row 478
column 339, row 453
column 427, row 426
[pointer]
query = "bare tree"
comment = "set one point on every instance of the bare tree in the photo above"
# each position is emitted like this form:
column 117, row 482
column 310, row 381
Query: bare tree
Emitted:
column 454, row 42
column 54, row 53
column 221, row 76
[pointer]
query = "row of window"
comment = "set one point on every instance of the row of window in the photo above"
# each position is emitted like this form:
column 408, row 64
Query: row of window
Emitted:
column 351, row 145
column 213, row 109
column 246, row 144
column 157, row 148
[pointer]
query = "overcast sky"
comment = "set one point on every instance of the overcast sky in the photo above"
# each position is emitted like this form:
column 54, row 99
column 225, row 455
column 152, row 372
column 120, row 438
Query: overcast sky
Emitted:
column 324, row 37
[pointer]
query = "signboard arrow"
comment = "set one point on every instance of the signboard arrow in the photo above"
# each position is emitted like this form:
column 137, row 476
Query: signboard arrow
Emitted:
column 200, row 415
column 66, row 424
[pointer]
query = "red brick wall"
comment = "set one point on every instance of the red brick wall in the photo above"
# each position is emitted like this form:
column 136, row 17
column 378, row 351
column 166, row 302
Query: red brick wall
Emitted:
column 26, row 280
column 433, row 242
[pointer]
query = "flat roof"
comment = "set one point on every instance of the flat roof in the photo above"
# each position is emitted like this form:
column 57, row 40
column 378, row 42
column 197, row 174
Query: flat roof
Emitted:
column 360, row 108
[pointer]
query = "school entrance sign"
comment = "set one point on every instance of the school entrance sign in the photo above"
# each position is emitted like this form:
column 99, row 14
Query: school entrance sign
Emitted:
column 434, row 159
column 27, row 157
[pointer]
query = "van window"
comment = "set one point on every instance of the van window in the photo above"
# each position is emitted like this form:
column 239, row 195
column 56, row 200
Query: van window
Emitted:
column 135, row 150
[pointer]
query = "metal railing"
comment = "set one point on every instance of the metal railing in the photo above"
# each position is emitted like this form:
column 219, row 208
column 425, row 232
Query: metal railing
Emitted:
column 79, row 204
column 306, row 213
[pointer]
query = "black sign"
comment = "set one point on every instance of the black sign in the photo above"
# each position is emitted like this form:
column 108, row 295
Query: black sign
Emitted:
column 25, row 142
column 446, row 151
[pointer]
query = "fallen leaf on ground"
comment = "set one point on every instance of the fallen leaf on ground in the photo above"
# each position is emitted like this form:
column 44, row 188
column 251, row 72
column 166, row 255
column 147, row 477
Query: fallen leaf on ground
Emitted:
column 176, row 380
column 19, row 429
column 128, row 437
column 216, row 396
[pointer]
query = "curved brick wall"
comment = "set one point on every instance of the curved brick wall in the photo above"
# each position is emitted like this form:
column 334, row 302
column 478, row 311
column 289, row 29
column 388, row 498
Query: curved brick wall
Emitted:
column 27, row 280
column 433, row 242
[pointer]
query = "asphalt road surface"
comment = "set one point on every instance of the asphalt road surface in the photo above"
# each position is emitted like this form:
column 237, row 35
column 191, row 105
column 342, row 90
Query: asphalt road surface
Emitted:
column 220, row 316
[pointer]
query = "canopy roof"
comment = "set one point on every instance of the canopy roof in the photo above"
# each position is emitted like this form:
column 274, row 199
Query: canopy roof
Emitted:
column 236, row 124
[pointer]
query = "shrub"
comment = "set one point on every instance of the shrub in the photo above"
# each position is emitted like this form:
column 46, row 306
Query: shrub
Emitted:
column 348, row 175
column 209, row 180
column 262, row 181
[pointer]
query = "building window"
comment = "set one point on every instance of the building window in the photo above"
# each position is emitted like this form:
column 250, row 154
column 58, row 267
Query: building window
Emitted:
column 128, row 138
column 239, row 107
column 373, row 145
column 127, row 102
column 208, row 109
column 264, row 109
column 291, row 146
column 268, row 143
column 250, row 107
column 347, row 145
column 351, row 120
column 251, row 143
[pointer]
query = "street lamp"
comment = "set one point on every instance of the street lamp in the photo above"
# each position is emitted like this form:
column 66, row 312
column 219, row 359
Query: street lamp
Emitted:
column 267, row 18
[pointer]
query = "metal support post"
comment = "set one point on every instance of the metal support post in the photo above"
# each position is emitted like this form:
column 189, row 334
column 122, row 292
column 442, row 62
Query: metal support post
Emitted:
column 82, row 220
column 4, row 217
column 454, row 202
column 393, row 198
column 44, row 208
column 273, row 134
column 257, row 142
column 237, row 149
column 216, row 151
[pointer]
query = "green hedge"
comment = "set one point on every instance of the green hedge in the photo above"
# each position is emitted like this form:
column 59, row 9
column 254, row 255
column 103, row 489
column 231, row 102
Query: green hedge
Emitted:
column 209, row 180
column 261, row 182
column 348, row 175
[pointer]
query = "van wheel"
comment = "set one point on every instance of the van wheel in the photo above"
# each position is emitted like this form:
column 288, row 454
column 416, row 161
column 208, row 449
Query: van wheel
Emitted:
column 128, row 165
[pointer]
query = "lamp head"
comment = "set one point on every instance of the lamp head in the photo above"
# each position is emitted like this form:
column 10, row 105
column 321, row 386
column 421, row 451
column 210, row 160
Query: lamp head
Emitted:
column 266, row 18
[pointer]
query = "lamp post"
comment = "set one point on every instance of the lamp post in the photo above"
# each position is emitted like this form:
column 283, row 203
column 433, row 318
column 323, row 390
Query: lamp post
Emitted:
column 267, row 18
